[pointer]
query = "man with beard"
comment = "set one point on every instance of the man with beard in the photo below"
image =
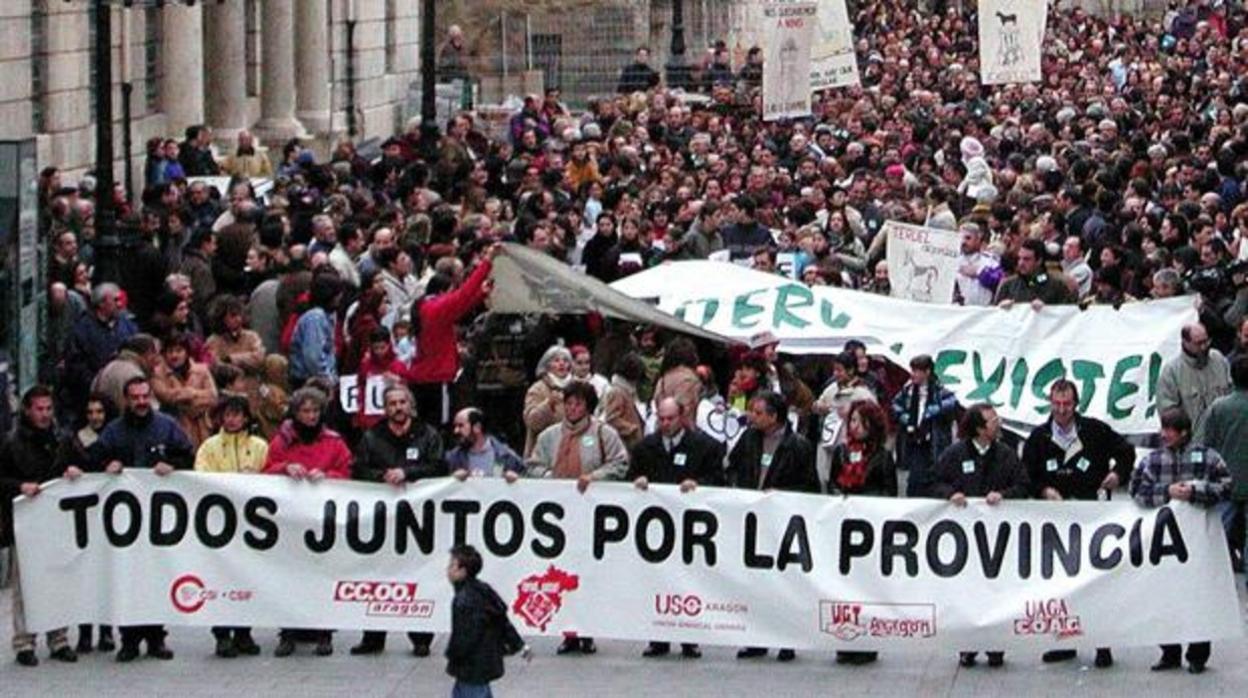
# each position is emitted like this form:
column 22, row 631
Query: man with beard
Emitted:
column 1069, row 457
column 1031, row 283
column 31, row 455
column 478, row 453
column 1194, row 379
column 305, row 449
column 978, row 271
column 142, row 438
column 676, row 455
column 397, row 451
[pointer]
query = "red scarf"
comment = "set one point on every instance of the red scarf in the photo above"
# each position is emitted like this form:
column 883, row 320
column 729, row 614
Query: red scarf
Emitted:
column 853, row 473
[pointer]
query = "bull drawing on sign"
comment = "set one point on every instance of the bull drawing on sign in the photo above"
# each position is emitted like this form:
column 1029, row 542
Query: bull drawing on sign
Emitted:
column 1007, row 19
column 923, row 278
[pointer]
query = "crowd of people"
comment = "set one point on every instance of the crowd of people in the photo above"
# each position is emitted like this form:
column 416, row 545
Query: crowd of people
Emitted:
column 235, row 319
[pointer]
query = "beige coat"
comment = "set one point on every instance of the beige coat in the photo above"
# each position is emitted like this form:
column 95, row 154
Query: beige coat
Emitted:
column 543, row 406
column 683, row 384
column 246, row 352
column 191, row 401
column 619, row 409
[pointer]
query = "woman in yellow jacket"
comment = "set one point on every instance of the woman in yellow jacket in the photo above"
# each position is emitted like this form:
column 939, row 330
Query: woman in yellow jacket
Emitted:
column 233, row 449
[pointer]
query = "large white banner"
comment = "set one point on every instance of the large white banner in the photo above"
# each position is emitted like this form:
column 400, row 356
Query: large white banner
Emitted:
column 789, row 31
column 922, row 262
column 716, row 566
column 1011, row 37
column 1006, row 357
column 833, row 62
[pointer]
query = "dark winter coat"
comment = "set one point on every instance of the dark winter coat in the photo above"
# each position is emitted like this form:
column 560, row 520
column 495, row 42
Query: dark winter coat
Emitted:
column 697, row 457
column 418, row 453
column 961, row 468
column 474, row 651
column 26, row 455
column 792, row 465
column 1078, row 474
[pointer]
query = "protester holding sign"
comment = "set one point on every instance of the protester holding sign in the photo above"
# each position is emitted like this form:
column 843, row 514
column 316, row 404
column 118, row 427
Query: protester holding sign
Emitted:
column 233, row 449
column 862, row 465
column 581, row 448
column 30, row 456
column 771, row 456
column 980, row 466
column 1076, row 457
column 1031, row 283
column 400, row 450
column 676, row 455
column 305, row 449
column 1187, row 472
column 142, row 438
column 478, row 453
column 434, row 316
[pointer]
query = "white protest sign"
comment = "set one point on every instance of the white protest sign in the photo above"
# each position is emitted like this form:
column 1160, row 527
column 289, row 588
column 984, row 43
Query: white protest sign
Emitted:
column 833, row 62
column 1006, row 357
column 1011, row 37
column 349, row 395
column 922, row 262
column 789, row 30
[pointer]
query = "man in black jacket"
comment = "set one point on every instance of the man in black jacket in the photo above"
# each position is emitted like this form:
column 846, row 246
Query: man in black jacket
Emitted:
column 479, row 623
column 638, row 76
column 29, row 457
column 980, row 466
column 771, row 456
column 397, row 451
column 676, row 456
column 1068, row 457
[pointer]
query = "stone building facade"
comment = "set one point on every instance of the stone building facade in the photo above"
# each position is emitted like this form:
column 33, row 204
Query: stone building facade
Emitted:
column 277, row 67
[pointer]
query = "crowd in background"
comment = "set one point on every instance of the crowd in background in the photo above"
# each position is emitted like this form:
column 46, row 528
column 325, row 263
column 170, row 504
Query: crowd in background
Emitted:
column 235, row 318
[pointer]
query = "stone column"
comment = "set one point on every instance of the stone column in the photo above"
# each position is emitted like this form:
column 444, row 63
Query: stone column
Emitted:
column 312, row 64
column 182, row 59
column 277, row 76
column 225, row 91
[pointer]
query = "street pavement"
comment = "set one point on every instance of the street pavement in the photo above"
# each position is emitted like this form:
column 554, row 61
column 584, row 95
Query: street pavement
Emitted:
column 617, row 670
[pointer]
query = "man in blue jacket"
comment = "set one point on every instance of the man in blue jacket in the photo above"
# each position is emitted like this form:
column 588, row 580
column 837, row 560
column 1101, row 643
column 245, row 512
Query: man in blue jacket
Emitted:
column 142, row 438
column 479, row 454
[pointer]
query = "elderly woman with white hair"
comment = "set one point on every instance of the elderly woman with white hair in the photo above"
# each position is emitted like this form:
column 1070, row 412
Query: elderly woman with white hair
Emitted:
column 543, row 403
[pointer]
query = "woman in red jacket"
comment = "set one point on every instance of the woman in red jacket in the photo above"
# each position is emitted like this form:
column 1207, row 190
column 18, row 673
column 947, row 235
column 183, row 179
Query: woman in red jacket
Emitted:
column 434, row 317
column 305, row 449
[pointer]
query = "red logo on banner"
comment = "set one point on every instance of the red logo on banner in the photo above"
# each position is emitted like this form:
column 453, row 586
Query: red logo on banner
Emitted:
column 187, row 593
column 540, row 596
column 1048, row 617
column 384, row 598
column 850, row 620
